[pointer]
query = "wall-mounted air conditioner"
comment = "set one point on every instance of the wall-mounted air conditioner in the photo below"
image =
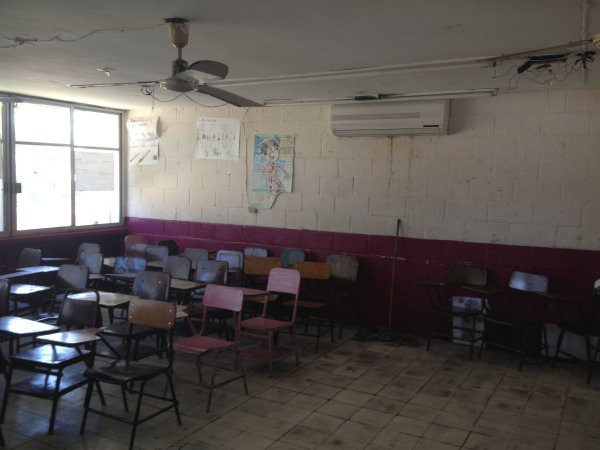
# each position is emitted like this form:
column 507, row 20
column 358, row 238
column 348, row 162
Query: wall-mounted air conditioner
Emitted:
column 390, row 118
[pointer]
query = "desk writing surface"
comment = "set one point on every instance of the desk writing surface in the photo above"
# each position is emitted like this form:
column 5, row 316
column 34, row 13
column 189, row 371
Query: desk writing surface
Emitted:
column 109, row 261
column 38, row 269
column 73, row 337
column 107, row 299
column 18, row 326
column 185, row 285
column 27, row 289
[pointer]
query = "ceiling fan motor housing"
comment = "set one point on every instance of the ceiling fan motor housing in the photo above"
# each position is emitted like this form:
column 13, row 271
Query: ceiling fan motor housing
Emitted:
column 178, row 65
column 179, row 30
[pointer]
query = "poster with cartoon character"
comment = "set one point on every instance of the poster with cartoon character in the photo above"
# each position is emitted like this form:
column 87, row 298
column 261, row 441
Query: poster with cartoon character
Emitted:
column 273, row 168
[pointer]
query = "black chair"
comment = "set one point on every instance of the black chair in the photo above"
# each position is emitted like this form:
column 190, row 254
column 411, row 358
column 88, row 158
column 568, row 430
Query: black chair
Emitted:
column 29, row 257
column 440, row 293
column 256, row 251
column 48, row 362
column 582, row 320
column 171, row 245
column 291, row 256
column 91, row 260
column 195, row 254
column 156, row 253
column 160, row 317
column 235, row 265
column 88, row 247
column 515, row 317
column 344, row 273
column 148, row 286
column 178, row 266
column 68, row 277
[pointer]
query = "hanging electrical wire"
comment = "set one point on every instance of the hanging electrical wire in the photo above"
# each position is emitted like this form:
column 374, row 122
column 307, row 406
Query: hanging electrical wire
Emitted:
column 19, row 41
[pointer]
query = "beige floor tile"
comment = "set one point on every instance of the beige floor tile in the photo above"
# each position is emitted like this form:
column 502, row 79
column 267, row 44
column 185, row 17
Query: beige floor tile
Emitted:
column 428, row 444
column 338, row 409
column 456, row 420
column 322, row 390
column 270, row 428
column 322, row 422
column 409, row 426
column 303, row 437
column 448, row 435
column 386, row 405
column 248, row 441
column 372, row 417
column 396, row 440
column 419, row 412
column 276, row 394
column 369, row 387
column 478, row 441
column 336, row 441
column 305, row 401
column 358, row 431
column 353, row 397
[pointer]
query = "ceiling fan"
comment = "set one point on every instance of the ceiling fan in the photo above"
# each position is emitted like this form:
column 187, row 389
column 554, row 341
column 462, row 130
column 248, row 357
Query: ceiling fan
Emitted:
column 187, row 78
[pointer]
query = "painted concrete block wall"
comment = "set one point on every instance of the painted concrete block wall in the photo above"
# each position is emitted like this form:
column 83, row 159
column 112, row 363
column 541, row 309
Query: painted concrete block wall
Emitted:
column 519, row 168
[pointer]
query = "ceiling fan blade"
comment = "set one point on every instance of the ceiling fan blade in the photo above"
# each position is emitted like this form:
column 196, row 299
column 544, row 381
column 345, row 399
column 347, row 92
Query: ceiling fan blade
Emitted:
column 228, row 97
column 214, row 69
column 140, row 83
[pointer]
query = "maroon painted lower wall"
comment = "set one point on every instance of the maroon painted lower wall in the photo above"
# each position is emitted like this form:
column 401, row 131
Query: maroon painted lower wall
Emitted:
column 570, row 271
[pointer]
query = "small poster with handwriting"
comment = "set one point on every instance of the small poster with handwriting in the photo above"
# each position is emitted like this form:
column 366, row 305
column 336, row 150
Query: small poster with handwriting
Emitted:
column 143, row 141
column 217, row 138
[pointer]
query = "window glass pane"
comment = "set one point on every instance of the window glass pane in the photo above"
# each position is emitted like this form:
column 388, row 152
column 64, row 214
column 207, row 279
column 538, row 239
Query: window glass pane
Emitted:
column 97, row 198
column 45, row 176
column 96, row 129
column 42, row 123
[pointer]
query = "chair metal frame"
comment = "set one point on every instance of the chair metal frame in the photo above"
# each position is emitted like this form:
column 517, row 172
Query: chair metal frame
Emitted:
column 221, row 299
column 159, row 316
column 264, row 329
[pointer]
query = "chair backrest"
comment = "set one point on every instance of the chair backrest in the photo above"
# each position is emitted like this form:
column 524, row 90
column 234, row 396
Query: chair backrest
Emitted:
column 93, row 261
column 88, row 247
column 256, row 251
column 467, row 275
column 291, row 256
column 260, row 265
column 134, row 239
column 528, row 282
column 4, row 291
column 208, row 271
column 152, row 313
column 129, row 264
column 156, row 253
column 234, row 259
column 283, row 280
column 151, row 285
column 313, row 270
column 178, row 267
column 194, row 254
column 286, row 281
column 171, row 245
column 223, row 297
column 136, row 250
column 80, row 313
column 29, row 257
column 343, row 267
column 72, row 276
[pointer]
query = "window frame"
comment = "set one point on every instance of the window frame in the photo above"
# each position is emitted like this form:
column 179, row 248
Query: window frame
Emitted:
column 9, row 165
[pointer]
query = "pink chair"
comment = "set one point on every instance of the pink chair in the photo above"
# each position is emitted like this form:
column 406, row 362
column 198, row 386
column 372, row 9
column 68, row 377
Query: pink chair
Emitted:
column 224, row 298
column 285, row 281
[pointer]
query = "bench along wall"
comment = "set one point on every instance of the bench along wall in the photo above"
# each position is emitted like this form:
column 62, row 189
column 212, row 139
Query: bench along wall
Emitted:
column 512, row 185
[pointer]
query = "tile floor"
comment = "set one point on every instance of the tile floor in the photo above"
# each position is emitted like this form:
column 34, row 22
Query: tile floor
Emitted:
column 353, row 395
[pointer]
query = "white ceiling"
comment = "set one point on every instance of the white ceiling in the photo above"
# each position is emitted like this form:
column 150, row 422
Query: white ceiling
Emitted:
column 263, row 38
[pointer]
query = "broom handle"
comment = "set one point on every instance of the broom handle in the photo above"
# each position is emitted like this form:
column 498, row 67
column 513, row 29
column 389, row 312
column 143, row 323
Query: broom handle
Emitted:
column 393, row 283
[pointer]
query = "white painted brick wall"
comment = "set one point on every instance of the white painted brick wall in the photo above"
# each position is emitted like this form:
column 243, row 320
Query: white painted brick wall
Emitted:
column 518, row 168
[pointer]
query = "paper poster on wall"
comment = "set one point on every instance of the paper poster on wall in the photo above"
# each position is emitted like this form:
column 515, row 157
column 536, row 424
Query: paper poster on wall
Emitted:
column 272, row 168
column 143, row 153
column 217, row 138
column 143, row 141
column 142, row 128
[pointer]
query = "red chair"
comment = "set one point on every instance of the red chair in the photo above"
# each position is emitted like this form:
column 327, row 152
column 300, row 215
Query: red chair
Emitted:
column 285, row 281
column 228, row 299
